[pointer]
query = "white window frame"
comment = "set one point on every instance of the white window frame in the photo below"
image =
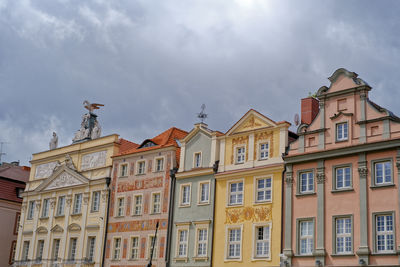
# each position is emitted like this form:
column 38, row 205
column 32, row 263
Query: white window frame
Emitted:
column 156, row 167
column 120, row 206
column 344, row 186
column 123, row 172
column 95, row 201
column 199, row 194
column 45, row 208
column 134, row 205
column 131, row 247
column 31, row 210
column 197, row 163
column 140, row 171
column 183, row 243
column 235, row 193
column 77, row 208
column 116, row 251
column 343, row 235
column 182, row 201
column 384, row 176
column 198, row 241
column 300, row 182
column 339, row 130
column 152, row 202
column 149, row 241
column 60, row 206
column 91, row 248
column 306, row 237
column 242, row 158
column 260, row 150
column 385, row 233
column 256, row 241
column 265, row 189
column 228, row 242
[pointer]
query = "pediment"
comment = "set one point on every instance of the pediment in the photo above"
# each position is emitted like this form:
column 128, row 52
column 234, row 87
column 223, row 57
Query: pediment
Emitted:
column 340, row 80
column 335, row 116
column 74, row 227
column 62, row 177
column 57, row 229
column 41, row 230
column 252, row 120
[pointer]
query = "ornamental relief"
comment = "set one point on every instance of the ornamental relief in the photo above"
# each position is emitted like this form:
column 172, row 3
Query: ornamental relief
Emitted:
column 94, row 160
column 251, row 123
column 63, row 180
column 264, row 137
column 238, row 215
column 45, row 170
column 238, row 141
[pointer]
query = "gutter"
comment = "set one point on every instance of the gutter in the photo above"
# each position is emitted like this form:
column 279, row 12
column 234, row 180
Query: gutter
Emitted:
column 215, row 169
column 282, row 199
column 108, row 181
column 170, row 214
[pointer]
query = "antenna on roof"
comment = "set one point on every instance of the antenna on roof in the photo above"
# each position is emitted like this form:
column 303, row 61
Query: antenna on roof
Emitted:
column 202, row 116
column 1, row 150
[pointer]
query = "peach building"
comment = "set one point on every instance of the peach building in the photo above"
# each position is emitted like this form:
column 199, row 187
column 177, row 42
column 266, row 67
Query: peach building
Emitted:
column 341, row 193
column 140, row 194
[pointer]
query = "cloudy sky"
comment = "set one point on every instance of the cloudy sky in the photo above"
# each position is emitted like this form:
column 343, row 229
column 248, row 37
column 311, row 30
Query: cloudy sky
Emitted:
column 153, row 63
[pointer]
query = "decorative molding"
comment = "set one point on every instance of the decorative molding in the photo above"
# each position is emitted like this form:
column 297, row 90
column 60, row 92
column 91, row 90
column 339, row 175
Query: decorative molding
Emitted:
column 320, row 178
column 86, row 198
column 94, row 160
column 251, row 123
column 41, row 230
column 336, row 115
column 104, row 195
column 238, row 215
column 155, row 182
column 363, row 172
column 289, row 178
column 238, row 141
column 38, row 204
column 63, row 180
column 53, row 202
column 45, row 170
column 74, row 227
column 23, row 207
column 68, row 200
column 57, row 229
column 267, row 136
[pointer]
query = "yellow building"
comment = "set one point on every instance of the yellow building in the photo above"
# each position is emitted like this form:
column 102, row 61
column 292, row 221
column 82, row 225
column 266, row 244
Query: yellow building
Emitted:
column 248, row 199
column 64, row 208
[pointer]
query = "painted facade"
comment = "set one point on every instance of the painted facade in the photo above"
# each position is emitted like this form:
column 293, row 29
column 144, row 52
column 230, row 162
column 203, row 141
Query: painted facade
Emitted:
column 193, row 208
column 140, row 194
column 247, row 223
column 65, row 205
column 342, row 193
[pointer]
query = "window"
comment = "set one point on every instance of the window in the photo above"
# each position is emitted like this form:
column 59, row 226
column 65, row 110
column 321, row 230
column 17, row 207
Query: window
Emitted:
column 39, row 251
column 60, row 206
column 159, row 164
column 95, row 201
column 77, row 203
column 197, row 160
column 156, row 203
column 264, row 189
column 117, row 248
column 90, row 252
column 16, row 224
column 141, row 167
column 182, row 243
column 120, row 206
column 185, row 195
column 137, row 204
column 56, row 248
column 19, row 192
column 341, row 131
column 202, row 240
column 240, row 154
column 45, row 208
column 306, row 237
column 307, row 182
column 343, row 178
column 25, row 251
column 123, row 171
column 383, row 172
column 264, row 151
column 234, row 243
column 204, row 194
column 236, row 193
column 134, row 247
column 384, row 231
column 13, row 250
column 344, row 243
column 72, row 248
column 262, row 241
column 31, row 210
column 152, row 243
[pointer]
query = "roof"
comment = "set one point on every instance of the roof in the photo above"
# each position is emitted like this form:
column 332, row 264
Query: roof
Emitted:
column 12, row 172
column 126, row 145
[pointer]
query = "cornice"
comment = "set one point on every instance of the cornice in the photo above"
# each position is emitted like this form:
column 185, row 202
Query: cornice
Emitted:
column 253, row 170
column 195, row 172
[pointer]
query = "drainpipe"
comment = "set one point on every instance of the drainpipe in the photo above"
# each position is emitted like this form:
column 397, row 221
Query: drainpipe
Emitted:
column 108, row 181
column 282, row 199
column 170, row 214
column 215, row 169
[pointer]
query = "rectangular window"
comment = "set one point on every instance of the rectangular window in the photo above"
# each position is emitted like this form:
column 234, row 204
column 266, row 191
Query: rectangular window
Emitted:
column 95, row 201
column 185, row 195
column 344, row 243
column 90, row 252
column 262, row 241
column 16, row 224
column 31, row 210
column 383, row 172
column 25, row 251
column 182, row 243
column 159, row 164
column 123, row 171
column 117, row 248
column 202, row 240
column 56, row 248
column 234, row 243
column 152, row 243
column 141, row 167
column 384, row 230
column 204, row 193
column 156, row 201
column 264, row 151
column 341, row 131
column 197, row 160
column 39, row 251
column 72, row 248
column 12, row 254
column 45, row 208
column 60, row 206
column 120, row 206
column 343, row 177
column 236, row 193
column 137, row 204
column 306, row 237
column 240, row 154
column 306, row 182
column 264, row 189
column 134, row 247
column 77, row 203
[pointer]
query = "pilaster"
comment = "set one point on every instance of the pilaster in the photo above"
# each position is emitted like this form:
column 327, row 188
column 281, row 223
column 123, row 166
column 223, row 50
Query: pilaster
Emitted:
column 321, row 137
column 82, row 237
column 62, row 251
column 398, row 191
column 363, row 117
column 251, row 149
column 32, row 245
column 46, row 249
column 222, row 156
column 20, row 230
column 287, row 251
column 320, row 245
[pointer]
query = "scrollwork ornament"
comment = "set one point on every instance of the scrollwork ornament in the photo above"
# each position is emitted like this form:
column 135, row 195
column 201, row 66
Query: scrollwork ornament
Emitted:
column 289, row 179
column 86, row 198
column 23, row 207
column 68, row 200
column 52, row 203
column 104, row 195
column 37, row 205
column 363, row 172
column 320, row 178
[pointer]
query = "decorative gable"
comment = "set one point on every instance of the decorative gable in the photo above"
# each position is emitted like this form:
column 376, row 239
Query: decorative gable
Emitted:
column 63, row 180
column 252, row 120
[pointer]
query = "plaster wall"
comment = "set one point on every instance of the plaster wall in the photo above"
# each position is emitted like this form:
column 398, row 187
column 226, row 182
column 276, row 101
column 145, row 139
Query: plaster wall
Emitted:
column 199, row 143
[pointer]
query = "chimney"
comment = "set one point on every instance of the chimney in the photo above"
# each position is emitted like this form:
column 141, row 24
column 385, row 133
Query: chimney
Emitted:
column 309, row 109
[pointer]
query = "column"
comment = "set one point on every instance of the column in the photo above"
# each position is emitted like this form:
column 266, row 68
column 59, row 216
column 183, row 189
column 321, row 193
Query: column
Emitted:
column 82, row 237
column 321, row 137
column 63, row 246
column 363, row 250
column 287, row 251
column 320, row 245
column 363, row 117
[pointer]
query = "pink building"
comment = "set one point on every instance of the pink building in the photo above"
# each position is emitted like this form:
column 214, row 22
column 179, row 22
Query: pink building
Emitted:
column 342, row 194
column 140, row 195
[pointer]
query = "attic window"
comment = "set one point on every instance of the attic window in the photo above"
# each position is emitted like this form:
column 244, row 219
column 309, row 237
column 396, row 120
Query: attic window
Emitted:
column 19, row 192
column 148, row 144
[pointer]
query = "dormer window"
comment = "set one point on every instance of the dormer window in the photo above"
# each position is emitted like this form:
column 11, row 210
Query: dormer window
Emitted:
column 264, row 151
column 19, row 192
column 240, row 154
column 197, row 160
column 342, row 131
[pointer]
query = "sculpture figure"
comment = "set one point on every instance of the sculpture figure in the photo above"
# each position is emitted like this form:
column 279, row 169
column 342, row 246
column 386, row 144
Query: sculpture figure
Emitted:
column 96, row 132
column 90, row 127
column 53, row 141
column 91, row 106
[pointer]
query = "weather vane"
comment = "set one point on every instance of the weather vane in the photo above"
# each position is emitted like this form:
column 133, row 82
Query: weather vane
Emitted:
column 202, row 116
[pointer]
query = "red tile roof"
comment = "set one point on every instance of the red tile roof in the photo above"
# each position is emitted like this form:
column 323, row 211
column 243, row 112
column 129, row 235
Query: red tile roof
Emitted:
column 19, row 173
column 11, row 178
column 126, row 145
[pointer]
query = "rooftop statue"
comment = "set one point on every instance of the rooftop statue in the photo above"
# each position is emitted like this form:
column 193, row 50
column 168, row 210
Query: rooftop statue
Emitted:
column 90, row 127
column 53, row 141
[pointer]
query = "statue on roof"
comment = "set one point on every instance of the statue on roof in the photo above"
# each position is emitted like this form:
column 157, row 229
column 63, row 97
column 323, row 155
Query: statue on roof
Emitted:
column 53, row 141
column 90, row 127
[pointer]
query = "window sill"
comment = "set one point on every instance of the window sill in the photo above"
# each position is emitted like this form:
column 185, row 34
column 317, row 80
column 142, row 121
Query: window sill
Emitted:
column 133, row 259
column 383, row 253
column 341, row 141
column 140, row 174
column 343, row 255
column 262, row 202
column 342, row 190
column 185, row 259
column 125, row 176
column 93, row 211
column 155, row 213
column 203, row 204
column 76, row 214
column 136, row 215
column 44, row 218
column 261, row 259
column 59, row 216
column 305, row 194
column 234, row 205
column 119, row 216
column 382, row 186
column 304, row 256
column 199, row 258
column 184, row 206
column 238, row 163
column 114, row 260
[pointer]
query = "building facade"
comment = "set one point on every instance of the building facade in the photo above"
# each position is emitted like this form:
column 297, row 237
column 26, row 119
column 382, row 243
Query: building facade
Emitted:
column 64, row 207
column 342, row 193
column 247, row 222
column 140, row 196
column 193, row 200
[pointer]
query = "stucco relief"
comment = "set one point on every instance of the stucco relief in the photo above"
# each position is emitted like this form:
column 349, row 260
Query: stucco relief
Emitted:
column 363, row 172
column 94, row 160
column 45, row 170
column 139, row 185
column 251, row 123
column 320, row 178
column 239, row 141
column 63, row 180
column 264, row 137
column 238, row 215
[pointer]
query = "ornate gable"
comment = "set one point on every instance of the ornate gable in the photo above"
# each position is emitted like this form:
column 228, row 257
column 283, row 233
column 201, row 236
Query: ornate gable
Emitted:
column 252, row 120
